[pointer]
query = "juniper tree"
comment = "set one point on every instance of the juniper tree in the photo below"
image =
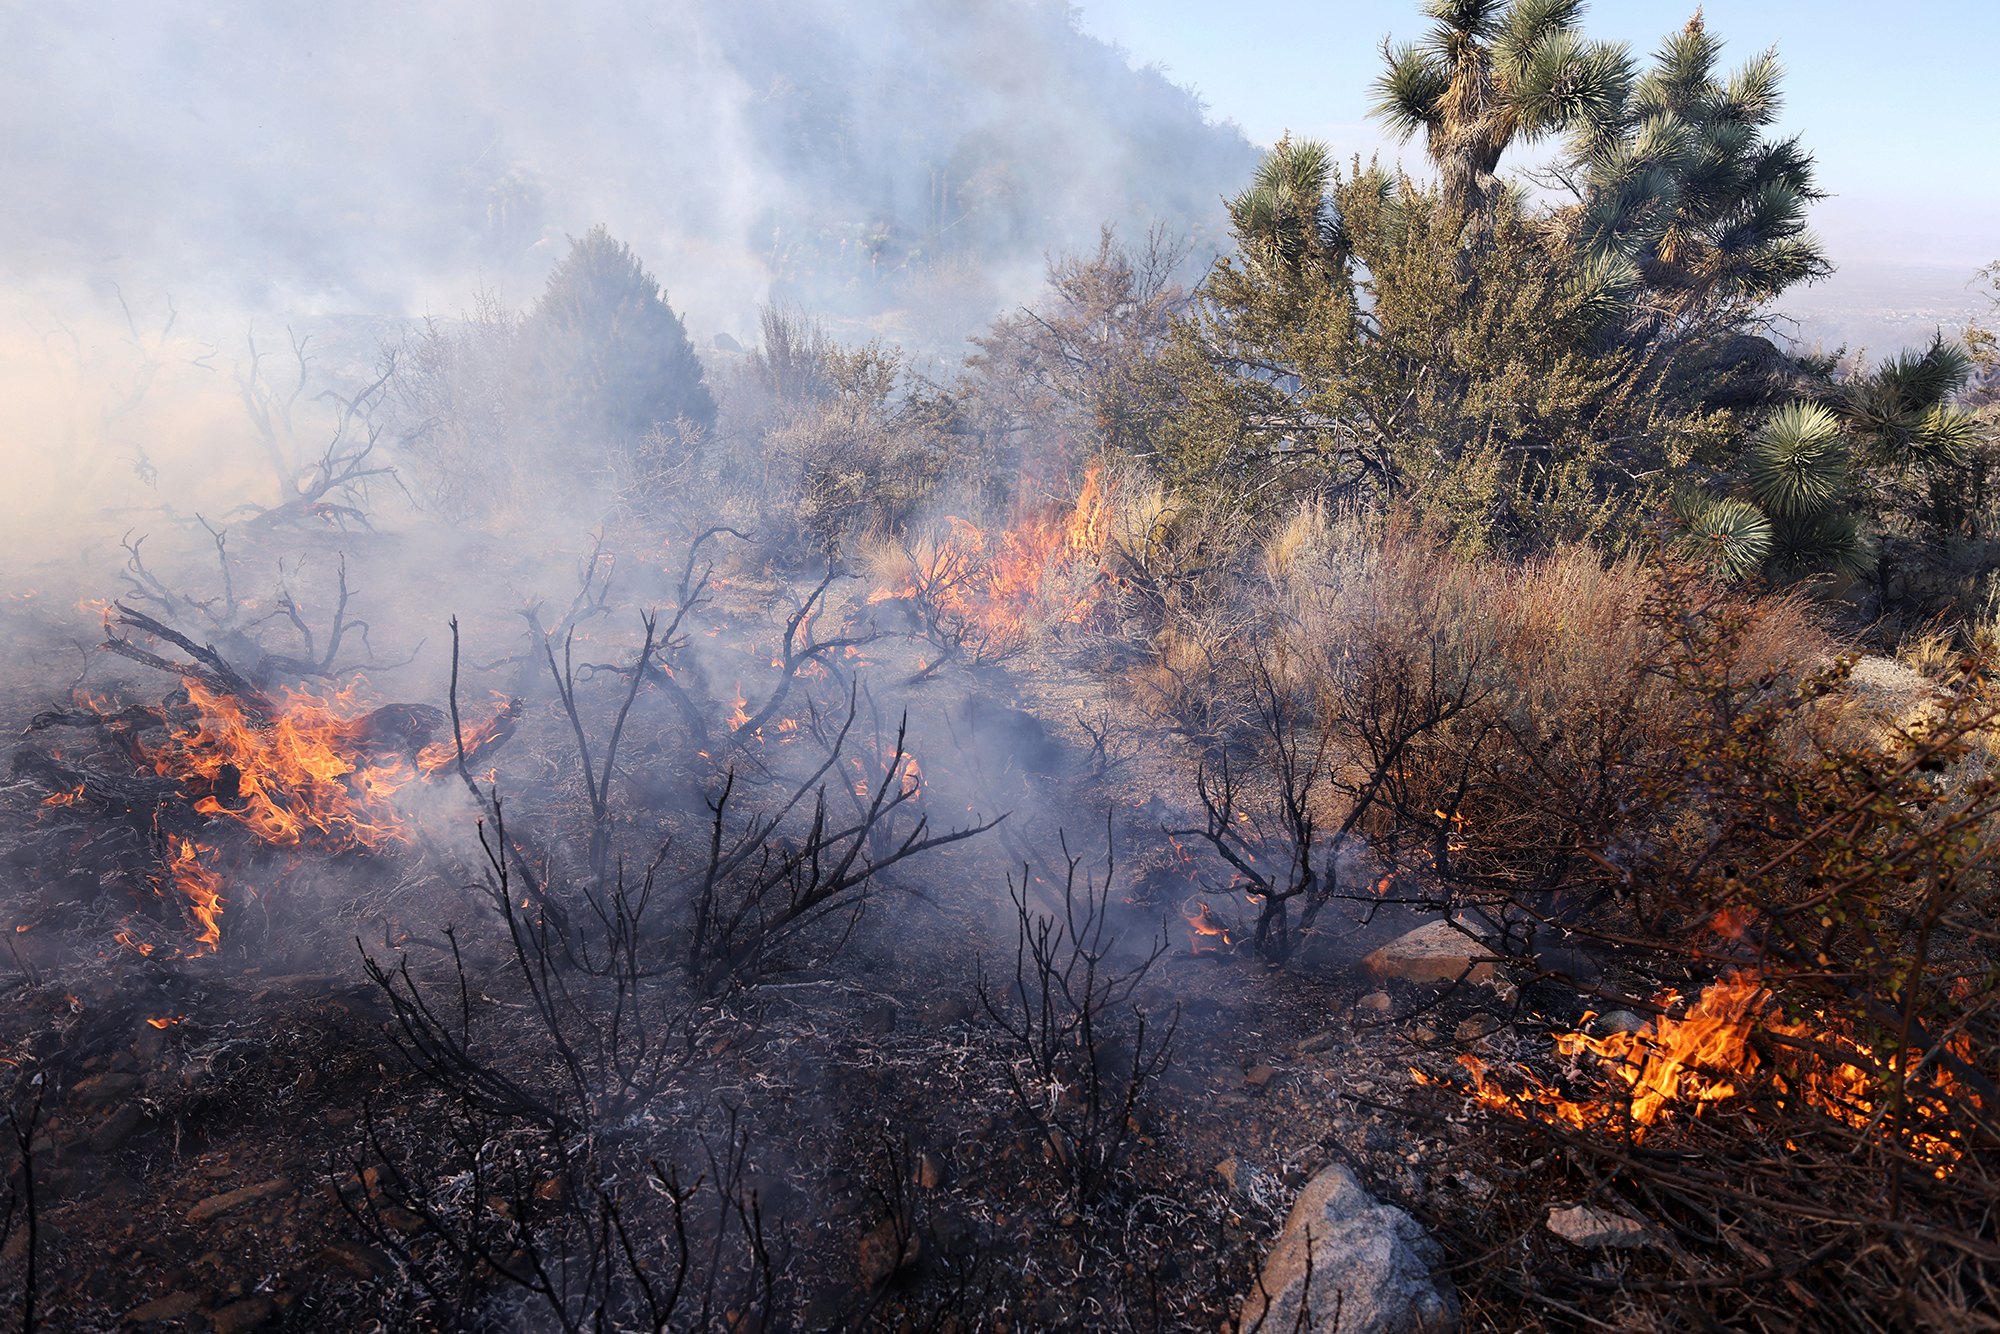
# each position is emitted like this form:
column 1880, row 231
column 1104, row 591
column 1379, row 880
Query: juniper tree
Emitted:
column 608, row 358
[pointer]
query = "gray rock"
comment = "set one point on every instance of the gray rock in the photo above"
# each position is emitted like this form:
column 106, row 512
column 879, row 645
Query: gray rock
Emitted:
column 1374, row 1270
column 1477, row 1027
column 1576, row 966
column 1620, row 1021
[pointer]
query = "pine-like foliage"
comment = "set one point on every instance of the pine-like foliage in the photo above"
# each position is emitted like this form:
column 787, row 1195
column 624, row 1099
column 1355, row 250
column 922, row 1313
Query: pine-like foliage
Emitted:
column 609, row 359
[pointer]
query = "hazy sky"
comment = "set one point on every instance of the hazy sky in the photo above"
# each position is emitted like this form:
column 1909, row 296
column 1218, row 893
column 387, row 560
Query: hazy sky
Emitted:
column 1896, row 101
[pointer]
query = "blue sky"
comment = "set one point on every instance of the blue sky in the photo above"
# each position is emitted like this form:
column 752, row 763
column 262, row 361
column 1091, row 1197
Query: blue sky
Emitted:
column 1896, row 101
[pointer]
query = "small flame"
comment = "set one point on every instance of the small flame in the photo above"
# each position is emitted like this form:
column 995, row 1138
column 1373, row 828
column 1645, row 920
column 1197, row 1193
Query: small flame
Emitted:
column 1204, row 922
column 435, row 757
column 995, row 582
column 168, row 1022
column 737, row 717
column 202, row 888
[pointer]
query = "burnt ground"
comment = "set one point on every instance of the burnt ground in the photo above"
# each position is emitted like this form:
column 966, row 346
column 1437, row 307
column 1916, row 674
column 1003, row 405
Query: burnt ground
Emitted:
column 238, row 1141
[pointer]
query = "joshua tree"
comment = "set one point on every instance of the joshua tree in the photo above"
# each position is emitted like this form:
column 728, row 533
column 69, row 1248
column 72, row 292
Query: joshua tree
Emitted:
column 1286, row 222
column 1673, row 177
column 1814, row 471
column 1490, row 74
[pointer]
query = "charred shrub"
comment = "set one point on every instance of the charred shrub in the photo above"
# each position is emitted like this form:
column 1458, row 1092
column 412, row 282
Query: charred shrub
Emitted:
column 1082, row 1053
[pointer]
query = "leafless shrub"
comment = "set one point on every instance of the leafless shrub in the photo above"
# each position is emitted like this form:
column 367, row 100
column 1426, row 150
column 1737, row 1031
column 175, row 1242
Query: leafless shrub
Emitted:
column 1083, row 1056
column 348, row 461
column 21, row 1213
column 756, row 892
column 1623, row 758
column 1113, row 744
column 453, row 396
column 550, row 1216
column 948, row 576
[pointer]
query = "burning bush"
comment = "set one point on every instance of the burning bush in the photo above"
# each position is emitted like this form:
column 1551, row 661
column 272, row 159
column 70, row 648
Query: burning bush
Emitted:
column 1806, row 914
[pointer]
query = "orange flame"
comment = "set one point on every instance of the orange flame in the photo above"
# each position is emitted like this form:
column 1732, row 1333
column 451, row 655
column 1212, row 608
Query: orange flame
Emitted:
column 202, row 888
column 1204, row 922
column 1705, row 1057
column 737, row 717
column 435, row 757
column 995, row 583
column 304, row 776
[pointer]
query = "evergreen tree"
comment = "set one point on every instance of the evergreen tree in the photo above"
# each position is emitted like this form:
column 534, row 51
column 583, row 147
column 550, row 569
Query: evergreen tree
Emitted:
column 609, row 360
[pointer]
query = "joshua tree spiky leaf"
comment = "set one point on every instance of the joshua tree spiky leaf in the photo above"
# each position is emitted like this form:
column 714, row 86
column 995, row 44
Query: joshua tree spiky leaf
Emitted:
column 1797, row 464
column 1488, row 74
column 1830, row 541
column 1675, row 174
column 1734, row 536
column 1903, row 410
column 1286, row 219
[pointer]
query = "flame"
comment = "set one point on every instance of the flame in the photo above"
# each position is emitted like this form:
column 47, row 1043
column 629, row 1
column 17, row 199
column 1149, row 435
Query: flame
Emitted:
column 1707, row 1057
column 167, row 1022
column 308, row 775
column 315, row 771
column 435, row 757
column 1204, row 922
column 202, row 887
column 995, row 582
column 737, row 717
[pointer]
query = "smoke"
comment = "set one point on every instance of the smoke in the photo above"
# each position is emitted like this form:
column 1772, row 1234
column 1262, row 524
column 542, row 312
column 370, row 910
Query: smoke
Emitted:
column 223, row 216
column 185, row 179
column 382, row 157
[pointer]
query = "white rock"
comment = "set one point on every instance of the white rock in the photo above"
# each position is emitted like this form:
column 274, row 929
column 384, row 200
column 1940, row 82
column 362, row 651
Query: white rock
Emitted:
column 1374, row 1268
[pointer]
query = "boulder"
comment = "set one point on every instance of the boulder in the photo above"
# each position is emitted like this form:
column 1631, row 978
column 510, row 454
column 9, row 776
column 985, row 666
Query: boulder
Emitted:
column 1374, row 1270
column 1435, row 952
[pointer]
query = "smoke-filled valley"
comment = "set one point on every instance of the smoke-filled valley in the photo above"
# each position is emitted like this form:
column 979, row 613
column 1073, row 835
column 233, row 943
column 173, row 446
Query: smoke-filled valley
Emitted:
column 834, row 666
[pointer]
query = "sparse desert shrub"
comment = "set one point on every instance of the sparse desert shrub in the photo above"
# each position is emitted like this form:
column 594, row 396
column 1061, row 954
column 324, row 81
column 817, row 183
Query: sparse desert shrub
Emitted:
column 834, row 445
column 1464, row 711
column 453, row 391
